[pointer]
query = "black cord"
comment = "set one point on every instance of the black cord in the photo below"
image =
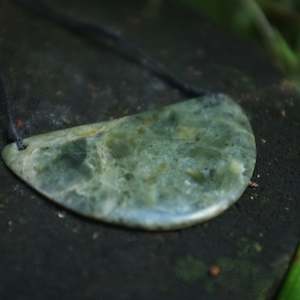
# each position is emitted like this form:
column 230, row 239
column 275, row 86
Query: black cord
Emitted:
column 127, row 48
column 122, row 45
column 12, row 130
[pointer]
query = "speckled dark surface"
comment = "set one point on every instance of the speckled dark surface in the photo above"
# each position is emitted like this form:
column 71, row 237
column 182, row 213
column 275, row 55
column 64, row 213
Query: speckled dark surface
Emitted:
column 62, row 80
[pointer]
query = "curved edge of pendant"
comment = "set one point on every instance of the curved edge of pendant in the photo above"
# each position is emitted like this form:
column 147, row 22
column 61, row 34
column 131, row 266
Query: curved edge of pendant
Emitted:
column 152, row 223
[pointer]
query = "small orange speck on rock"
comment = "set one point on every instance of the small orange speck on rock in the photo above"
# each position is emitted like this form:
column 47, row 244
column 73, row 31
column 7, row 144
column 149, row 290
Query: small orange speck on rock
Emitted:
column 19, row 123
column 214, row 271
column 253, row 184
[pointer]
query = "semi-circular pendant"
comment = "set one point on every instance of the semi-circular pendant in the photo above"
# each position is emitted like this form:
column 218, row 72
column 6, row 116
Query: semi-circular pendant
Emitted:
column 163, row 169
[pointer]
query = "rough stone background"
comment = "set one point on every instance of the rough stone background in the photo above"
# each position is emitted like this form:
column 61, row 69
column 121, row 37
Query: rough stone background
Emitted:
column 61, row 80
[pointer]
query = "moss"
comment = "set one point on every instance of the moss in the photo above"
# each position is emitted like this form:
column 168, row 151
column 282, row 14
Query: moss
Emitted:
column 190, row 269
column 240, row 274
column 248, row 248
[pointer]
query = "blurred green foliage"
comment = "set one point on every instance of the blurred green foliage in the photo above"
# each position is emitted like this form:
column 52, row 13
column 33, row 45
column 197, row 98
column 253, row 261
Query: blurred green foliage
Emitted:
column 291, row 286
column 274, row 23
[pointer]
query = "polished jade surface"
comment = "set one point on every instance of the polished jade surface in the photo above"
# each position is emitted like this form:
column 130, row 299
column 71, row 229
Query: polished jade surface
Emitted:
column 158, row 170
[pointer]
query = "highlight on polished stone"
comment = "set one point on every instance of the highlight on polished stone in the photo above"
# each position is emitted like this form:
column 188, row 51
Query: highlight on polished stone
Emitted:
column 158, row 170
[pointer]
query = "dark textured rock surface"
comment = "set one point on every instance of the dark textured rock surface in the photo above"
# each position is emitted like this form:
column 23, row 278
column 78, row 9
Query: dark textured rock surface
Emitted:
column 48, row 254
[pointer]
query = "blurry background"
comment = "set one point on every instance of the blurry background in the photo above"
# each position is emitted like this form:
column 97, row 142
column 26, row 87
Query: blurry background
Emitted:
column 275, row 24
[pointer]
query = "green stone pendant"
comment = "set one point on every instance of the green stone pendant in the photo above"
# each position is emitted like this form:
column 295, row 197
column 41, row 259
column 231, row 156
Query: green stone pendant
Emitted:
column 163, row 169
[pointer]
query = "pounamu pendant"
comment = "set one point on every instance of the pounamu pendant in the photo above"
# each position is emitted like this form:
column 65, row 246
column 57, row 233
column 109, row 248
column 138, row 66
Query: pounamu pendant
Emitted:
column 157, row 170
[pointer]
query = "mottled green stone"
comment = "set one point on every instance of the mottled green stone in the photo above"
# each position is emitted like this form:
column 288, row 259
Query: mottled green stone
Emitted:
column 163, row 169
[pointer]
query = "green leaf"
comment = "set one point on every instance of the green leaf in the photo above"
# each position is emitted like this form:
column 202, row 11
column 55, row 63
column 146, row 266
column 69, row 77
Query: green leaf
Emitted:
column 291, row 286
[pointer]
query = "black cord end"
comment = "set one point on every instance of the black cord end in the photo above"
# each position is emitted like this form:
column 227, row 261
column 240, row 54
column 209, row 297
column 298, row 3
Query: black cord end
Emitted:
column 20, row 144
